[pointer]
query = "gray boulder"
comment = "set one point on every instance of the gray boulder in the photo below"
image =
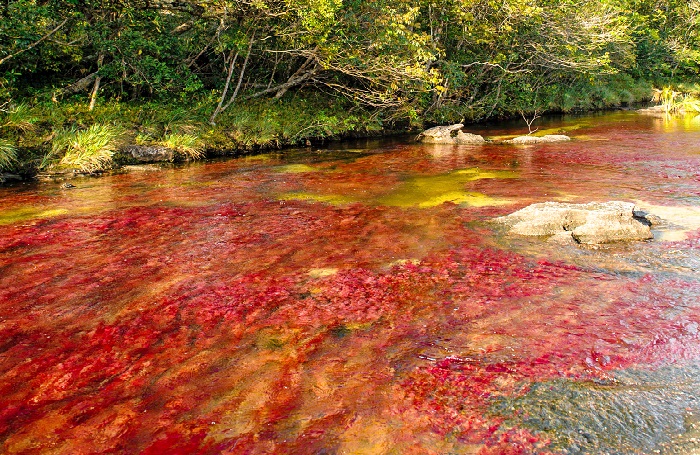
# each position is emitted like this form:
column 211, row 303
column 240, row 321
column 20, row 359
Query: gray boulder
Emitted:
column 549, row 138
column 463, row 138
column 149, row 153
column 450, row 134
column 590, row 224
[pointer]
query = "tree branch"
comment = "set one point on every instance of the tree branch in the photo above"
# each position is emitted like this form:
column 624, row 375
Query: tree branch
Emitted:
column 35, row 43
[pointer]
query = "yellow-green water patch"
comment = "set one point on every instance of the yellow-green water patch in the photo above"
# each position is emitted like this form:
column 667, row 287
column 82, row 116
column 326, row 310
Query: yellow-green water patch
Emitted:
column 28, row 213
column 475, row 173
column 558, row 129
column 586, row 137
column 295, row 169
column 430, row 191
column 264, row 157
column 471, row 199
column 334, row 199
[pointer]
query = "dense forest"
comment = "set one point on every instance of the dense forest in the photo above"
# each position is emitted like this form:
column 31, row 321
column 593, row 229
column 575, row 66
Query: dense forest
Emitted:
column 210, row 74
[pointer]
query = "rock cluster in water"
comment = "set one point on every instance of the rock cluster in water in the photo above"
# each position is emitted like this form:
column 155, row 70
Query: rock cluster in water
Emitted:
column 590, row 224
column 453, row 134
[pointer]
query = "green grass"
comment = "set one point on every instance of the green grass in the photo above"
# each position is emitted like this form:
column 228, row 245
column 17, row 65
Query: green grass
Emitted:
column 52, row 136
column 188, row 145
column 87, row 150
column 8, row 154
column 20, row 118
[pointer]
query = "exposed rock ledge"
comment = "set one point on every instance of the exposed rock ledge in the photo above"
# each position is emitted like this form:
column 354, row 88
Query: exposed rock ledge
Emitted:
column 655, row 111
column 590, row 224
column 149, row 154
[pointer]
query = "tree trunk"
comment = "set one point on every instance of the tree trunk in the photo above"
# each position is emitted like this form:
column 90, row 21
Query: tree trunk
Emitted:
column 96, row 86
column 232, row 63
column 240, row 77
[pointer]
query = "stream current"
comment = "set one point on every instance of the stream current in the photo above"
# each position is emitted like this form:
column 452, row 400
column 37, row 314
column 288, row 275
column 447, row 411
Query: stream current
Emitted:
column 356, row 299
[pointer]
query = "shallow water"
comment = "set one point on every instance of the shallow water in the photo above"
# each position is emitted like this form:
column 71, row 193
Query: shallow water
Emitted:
column 356, row 299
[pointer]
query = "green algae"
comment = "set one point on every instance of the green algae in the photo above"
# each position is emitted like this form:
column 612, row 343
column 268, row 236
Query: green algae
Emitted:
column 333, row 199
column 431, row 191
column 263, row 157
column 559, row 129
column 471, row 199
column 28, row 213
column 295, row 169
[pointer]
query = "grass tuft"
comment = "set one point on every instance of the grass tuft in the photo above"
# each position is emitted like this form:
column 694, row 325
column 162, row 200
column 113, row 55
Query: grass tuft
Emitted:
column 87, row 150
column 8, row 154
column 187, row 144
column 20, row 118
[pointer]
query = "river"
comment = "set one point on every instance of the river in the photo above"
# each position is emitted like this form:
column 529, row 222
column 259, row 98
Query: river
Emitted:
column 357, row 299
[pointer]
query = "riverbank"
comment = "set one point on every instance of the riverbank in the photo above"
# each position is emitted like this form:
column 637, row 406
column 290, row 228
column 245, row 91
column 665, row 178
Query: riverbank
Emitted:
column 68, row 138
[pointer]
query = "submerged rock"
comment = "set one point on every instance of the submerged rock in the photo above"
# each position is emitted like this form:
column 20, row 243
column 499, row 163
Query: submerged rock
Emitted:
column 142, row 168
column 150, row 154
column 450, row 134
column 655, row 111
column 5, row 177
column 548, row 138
column 590, row 224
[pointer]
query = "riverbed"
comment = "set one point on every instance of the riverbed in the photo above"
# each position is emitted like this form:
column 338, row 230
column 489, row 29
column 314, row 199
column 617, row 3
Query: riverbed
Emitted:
column 357, row 299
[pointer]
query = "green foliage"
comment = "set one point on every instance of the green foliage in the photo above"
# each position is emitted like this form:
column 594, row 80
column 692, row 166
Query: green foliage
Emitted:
column 86, row 150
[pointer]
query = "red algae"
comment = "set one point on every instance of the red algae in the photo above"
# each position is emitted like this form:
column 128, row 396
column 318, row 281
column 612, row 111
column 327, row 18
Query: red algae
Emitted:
column 203, row 314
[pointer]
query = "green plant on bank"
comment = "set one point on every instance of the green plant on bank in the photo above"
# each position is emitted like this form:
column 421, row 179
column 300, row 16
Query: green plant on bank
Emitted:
column 188, row 145
column 20, row 119
column 690, row 104
column 15, row 122
column 8, row 154
column 677, row 102
column 87, row 150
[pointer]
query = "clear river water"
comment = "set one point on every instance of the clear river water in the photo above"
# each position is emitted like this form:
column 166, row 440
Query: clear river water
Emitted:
column 357, row 299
